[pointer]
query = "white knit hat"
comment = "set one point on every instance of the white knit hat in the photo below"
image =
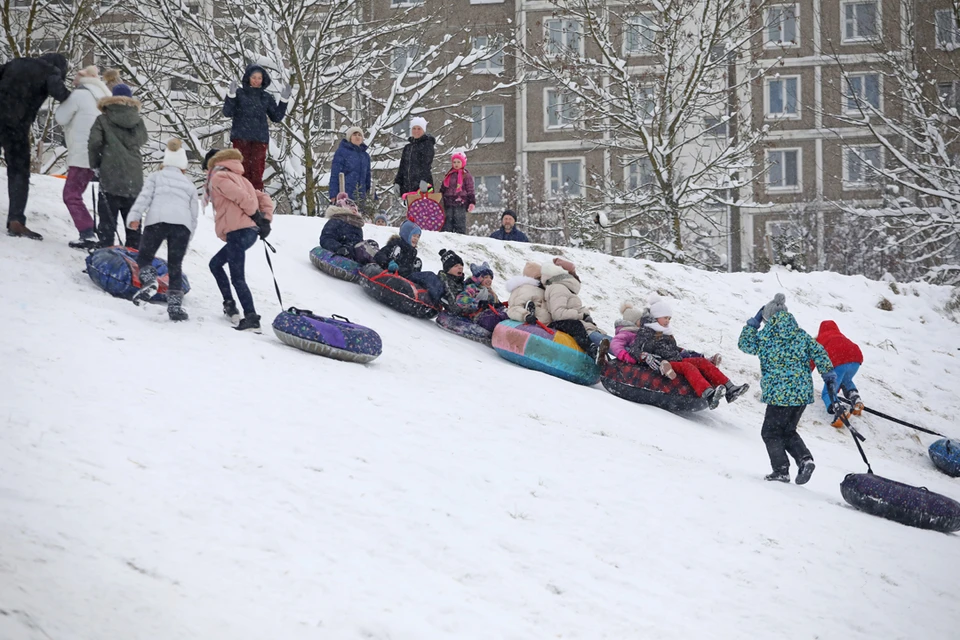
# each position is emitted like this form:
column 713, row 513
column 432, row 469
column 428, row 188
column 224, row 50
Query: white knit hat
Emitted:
column 659, row 308
column 418, row 121
column 175, row 155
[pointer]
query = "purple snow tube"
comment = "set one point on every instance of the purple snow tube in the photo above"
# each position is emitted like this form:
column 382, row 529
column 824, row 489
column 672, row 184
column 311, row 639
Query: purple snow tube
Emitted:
column 334, row 337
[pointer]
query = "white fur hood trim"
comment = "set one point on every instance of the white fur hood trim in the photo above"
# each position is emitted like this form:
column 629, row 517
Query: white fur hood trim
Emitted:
column 518, row 281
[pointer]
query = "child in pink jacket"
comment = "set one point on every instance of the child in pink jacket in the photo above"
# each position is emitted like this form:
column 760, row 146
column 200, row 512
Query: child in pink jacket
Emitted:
column 241, row 215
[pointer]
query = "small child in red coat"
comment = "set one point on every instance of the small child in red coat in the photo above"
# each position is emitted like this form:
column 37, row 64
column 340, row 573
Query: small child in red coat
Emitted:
column 846, row 358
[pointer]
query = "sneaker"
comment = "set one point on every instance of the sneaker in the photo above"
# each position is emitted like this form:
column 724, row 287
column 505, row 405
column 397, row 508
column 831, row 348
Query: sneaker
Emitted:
column 806, row 470
column 735, row 391
column 666, row 369
column 148, row 286
column 250, row 322
column 531, row 309
column 778, row 476
column 19, row 230
column 230, row 310
column 602, row 350
column 713, row 396
column 175, row 306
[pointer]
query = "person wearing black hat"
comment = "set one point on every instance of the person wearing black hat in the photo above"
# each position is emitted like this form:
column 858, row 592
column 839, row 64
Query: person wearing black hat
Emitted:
column 508, row 228
column 452, row 278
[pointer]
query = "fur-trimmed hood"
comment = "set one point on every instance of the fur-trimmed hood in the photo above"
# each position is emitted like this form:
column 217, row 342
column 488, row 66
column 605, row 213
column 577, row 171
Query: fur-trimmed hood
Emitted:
column 344, row 214
column 118, row 100
column 223, row 156
column 623, row 325
column 121, row 111
column 518, row 281
column 95, row 85
column 554, row 274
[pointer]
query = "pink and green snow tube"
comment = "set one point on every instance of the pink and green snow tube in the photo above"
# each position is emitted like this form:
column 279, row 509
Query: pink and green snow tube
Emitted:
column 536, row 347
column 334, row 337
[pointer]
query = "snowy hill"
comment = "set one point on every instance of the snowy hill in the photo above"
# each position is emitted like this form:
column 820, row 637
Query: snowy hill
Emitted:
column 186, row 481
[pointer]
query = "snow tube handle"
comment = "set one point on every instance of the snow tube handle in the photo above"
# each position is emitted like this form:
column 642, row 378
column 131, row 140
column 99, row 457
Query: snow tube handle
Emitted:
column 341, row 318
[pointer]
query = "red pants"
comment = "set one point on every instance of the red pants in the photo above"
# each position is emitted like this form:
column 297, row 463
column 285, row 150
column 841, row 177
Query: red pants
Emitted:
column 700, row 373
column 254, row 161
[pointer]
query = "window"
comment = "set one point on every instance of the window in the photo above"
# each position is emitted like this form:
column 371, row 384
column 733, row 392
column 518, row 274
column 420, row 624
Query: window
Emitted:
column 494, row 64
column 326, row 117
column 562, row 36
column 949, row 94
column 783, row 97
column 182, row 84
column 948, row 34
column 488, row 124
column 193, row 8
column 112, row 56
column 859, row 21
column 638, row 174
column 401, row 132
column 639, row 34
column 561, row 109
column 860, row 166
column 715, row 126
column 781, row 26
column 564, row 177
column 783, row 169
column 648, row 100
column 403, row 59
column 719, row 52
column 489, row 190
column 863, row 90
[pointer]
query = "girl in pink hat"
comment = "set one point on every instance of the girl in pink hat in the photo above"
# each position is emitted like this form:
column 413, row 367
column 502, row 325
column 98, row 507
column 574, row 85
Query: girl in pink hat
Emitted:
column 458, row 194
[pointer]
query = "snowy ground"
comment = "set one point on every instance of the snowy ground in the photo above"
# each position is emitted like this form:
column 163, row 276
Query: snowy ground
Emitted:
column 186, row 481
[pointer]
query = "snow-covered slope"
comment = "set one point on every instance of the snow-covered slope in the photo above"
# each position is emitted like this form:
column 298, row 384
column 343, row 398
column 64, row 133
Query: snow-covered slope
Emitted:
column 186, row 481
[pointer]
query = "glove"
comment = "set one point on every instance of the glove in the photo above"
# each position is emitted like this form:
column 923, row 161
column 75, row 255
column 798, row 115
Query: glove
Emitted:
column 343, row 251
column 588, row 318
column 393, row 266
column 264, row 229
column 285, row 93
column 623, row 356
column 830, row 380
column 232, row 91
column 756, row 320
column 484, row 295
column 651, row 361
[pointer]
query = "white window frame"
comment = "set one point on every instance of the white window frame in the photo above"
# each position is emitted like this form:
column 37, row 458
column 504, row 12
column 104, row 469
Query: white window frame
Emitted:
column 878, row 16
column 487, row 1
column 865, row 182
column 652, row 101
column 954, row 42
column 483, row 180
column 566, row 34
column 766, row 98
column 402, row 4
column 562, row 124
column 551, row 195
column 487, row 66
column 797, row 188
column 483, row 116
column 631, row 161
column 953, row 99
column 784, row 44
column 629, row 24
column 407, row 48
column 723, row 121
column 847, row 91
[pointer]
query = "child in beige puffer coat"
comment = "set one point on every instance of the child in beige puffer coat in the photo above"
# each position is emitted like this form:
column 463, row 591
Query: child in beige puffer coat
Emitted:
column 561, row 289
column 527, row 302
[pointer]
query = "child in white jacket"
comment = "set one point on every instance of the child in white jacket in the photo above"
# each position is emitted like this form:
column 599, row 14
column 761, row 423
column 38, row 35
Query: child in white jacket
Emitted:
column 167, row 207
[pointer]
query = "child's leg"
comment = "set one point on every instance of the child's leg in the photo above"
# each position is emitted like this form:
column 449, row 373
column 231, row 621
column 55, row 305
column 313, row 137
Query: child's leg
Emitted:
column 217, row 262
column 576, row 330
column 792, row 441
column 237, row 244
column 107, row 226
column 772, row 433
column 845, row 373
column 709, row 370
column 178, row 237
column 692, row 375
column 153, row 237
column 132, row 238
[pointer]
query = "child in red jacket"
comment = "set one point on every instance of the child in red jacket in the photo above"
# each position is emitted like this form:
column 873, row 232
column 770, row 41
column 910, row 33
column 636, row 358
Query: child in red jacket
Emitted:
column 846, row 358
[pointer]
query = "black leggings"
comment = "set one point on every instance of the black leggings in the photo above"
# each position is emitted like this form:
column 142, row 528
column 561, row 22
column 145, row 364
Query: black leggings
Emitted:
column 779, row 433
column 177, row 237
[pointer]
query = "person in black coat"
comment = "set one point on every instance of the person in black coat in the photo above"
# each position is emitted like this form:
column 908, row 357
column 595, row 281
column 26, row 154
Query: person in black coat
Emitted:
column 249, row 106
column 416, row 161
column 25, row 84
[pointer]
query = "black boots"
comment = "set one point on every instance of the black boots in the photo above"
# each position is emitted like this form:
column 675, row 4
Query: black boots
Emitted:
column 250, row 322
column 175, row 306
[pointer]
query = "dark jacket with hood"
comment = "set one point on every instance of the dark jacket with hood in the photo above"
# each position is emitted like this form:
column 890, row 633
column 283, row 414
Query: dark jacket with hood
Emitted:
column 343, row 229
column 25, row 84
column 354, row 163
column 841, row 349
column 251, row 107
column 114, row 147
column 401, row 252
column 649, row 340
column 515, row 235
column 454, row 286
column 416, row 163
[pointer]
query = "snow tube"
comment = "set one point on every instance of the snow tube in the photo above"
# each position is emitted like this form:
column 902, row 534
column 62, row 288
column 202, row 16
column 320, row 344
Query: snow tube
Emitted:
column 639, row 383
column 115, row 270
column 334, row 265
column 553, row 352
column 425, row 210
column 334, row 337
column 945, row 454
column 903, row 503
column 398, row 293
column 463, row 327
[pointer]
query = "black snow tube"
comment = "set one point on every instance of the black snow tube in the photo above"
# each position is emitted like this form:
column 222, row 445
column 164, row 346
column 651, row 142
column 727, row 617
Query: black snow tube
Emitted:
column 903, row 503
column 639, row 383
column 397, row 293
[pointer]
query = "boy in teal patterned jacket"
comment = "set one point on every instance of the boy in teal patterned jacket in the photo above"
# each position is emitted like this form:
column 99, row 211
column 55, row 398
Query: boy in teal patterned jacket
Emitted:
column 785, row 351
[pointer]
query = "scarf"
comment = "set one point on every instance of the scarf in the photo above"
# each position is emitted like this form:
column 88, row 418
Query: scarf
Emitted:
column 667, row 331
column 446, row 179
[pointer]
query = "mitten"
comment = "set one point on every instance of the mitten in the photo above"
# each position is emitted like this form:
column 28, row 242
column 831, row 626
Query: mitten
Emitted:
column 264, row 229
column 343, row 251
column 756, row 320
column 830, row 380
column 232, row 91
column 626, row 357
column 651, row 361
column 417, row 264
column 285, row 93
column 484, row 295
column 392, row 267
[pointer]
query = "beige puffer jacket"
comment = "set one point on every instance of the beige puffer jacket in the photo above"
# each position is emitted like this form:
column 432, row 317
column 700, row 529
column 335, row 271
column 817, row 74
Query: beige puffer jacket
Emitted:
column 522, row 289
column 561, row 297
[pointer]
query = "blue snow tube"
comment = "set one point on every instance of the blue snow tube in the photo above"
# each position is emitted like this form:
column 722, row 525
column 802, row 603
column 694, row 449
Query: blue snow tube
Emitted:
column 334, row 265
column 463, row 327
column 115, row 270
column 945, row 454
column 542, row 349
column 903, row 503
column 334, row 337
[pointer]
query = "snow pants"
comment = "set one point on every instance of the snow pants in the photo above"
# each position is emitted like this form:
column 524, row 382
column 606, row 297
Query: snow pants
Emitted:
column 234, row 253
column 16, row 152
column 780, row 436
column 73, row 189
column 489, row 318
column 456, row 219
column 107, row 229
column 429, row 281
column 254, row 160
column 576, row 330
column 845, row 373
column 177, row 237
column 700, row 373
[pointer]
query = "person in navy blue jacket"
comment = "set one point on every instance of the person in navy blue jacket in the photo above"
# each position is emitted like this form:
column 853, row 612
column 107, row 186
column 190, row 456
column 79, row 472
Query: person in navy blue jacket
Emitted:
column 508, row 228
column 250, row 106
column 353, row 161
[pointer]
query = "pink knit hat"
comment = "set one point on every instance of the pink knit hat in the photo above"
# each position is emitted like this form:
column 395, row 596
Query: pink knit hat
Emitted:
column 461, row 155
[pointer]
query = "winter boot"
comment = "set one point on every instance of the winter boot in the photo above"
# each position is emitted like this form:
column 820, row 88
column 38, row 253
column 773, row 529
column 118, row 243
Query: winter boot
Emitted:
column 19, row 230
column 840, row 414
column 713, row 396
column 250, row 322
column 854, row 398
column 806, row 470
column 778, row 476
column 531, row 309
column 148, row 285
column 175, row 306
column 602, row 350
column 666, row 369
column 735, row 391
column 230, row 310
column 88, row 240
